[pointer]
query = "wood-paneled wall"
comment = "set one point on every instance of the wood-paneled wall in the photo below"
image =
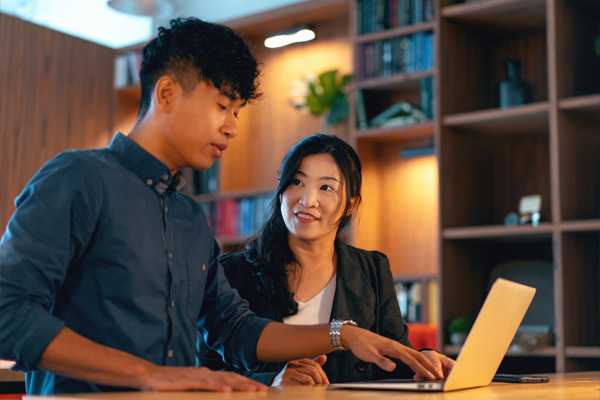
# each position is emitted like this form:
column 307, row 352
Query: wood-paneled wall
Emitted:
column 56, row 93
column 268, row 128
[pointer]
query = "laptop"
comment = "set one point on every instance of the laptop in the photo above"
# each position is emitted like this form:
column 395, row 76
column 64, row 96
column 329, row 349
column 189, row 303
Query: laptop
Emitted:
column 484, row 349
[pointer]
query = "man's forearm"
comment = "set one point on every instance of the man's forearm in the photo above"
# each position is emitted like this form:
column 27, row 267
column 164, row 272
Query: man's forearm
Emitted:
column 70, row 354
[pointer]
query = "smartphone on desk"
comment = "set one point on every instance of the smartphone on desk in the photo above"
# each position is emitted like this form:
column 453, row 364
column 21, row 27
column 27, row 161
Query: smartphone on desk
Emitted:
column 513, row 378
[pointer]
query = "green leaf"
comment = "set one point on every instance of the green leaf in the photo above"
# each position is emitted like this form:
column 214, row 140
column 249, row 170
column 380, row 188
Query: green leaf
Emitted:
column 325, row 94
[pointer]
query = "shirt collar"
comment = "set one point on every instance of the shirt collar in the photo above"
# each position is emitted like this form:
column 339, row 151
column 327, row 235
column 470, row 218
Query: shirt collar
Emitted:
column 147, row 167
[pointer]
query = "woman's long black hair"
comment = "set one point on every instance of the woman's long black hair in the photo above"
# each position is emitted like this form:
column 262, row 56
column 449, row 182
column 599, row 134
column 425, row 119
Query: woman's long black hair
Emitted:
column 269, row 249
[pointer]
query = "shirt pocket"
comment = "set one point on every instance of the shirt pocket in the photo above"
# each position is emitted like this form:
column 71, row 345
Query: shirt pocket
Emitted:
column 196, row 274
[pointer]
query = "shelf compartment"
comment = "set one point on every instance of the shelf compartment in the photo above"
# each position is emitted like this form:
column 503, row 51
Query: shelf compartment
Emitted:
column 580, row 259
column 577, row 65
column 472, row 58
column 470, row 264
column 488, row 171
column 499, row 15
column 371, row 101
column 411, row 241
column 522, row 119
column 579, row 161
column 407, row 132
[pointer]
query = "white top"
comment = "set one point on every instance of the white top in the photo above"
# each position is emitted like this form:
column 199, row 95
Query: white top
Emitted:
column 315, row 311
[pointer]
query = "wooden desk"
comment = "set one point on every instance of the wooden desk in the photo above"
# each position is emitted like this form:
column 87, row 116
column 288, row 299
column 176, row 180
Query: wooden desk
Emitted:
column 569, row 386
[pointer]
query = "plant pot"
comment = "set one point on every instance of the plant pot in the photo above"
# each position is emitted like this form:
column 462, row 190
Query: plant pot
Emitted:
column 458, row 338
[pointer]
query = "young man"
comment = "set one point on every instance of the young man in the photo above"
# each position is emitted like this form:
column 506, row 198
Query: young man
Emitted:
column 109, row 272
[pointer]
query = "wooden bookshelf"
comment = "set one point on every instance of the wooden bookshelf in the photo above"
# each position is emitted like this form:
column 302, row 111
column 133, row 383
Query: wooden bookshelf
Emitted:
column 399, row 212
column 490, row 157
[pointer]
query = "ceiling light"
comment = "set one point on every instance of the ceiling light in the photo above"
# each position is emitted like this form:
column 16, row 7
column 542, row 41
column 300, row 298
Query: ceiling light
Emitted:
column 149, row 8
column 289, row 37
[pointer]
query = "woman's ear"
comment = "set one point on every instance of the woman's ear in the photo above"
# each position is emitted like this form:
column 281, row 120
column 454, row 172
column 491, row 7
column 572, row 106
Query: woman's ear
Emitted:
column 353, row 206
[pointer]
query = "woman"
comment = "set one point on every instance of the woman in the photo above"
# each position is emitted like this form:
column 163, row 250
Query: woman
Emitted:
column 298, row 271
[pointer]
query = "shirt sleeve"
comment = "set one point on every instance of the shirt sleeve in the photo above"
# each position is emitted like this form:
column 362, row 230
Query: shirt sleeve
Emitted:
column 51, row 225
column 226, row 322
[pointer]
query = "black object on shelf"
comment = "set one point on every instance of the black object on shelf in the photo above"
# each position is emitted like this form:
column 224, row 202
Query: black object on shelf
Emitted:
column 513, row 91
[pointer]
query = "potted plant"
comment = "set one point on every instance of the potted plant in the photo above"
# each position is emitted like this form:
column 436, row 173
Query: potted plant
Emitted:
column 458, row 329
column 323, row 95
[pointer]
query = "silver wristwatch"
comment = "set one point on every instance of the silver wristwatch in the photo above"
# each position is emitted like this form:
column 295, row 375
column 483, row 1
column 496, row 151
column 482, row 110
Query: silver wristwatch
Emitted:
column 335, row 329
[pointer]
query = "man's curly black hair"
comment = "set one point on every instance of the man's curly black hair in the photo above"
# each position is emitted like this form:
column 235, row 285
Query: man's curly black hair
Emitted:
column 191, row 51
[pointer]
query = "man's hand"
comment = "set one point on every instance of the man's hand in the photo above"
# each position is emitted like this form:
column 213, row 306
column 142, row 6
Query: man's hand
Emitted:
column 73, row 355
column 192, row 378
column 305, row 372
column 371, row 347
column 439, row 360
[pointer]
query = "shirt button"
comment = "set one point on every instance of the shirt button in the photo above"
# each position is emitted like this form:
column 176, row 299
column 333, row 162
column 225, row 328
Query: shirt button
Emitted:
column 172, row 303
column 165, row 177
column 170, row 354
column 166, row 209
column 149, row 182
column 203, row 267
column 171, row 256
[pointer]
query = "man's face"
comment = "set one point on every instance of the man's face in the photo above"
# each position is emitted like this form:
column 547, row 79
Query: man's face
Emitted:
column 199, row 126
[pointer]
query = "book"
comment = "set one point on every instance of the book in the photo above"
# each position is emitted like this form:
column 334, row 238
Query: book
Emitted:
column 399, row 109
column 207, row 181
column 361, row 115
column 134, row 66
column 427, row 97
column 120, row 71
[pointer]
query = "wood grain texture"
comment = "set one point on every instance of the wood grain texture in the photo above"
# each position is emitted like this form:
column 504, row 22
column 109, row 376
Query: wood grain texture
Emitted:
column 399, row 213
column 268, row 128
column 581, row 386
column 56, row 95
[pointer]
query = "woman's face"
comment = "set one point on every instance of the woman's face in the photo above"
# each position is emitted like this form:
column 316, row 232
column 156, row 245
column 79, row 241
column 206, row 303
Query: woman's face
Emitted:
column 313, row 203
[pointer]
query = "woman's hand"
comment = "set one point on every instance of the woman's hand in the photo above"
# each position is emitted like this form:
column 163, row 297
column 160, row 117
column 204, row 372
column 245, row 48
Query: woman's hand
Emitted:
column 305, row 372
column 439, row 360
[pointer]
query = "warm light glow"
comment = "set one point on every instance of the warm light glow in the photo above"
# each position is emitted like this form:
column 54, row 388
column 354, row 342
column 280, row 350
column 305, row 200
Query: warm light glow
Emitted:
column 283, row 40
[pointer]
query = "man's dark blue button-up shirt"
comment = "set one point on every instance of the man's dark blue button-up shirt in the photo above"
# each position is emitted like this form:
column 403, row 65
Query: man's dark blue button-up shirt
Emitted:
column 103, row 242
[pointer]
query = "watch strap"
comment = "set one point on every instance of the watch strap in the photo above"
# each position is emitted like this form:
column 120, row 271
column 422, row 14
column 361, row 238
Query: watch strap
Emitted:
column 335, row 329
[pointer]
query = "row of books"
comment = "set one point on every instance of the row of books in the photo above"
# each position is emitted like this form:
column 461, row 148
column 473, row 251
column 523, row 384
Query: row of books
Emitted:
column 207, row 181
column 127, row 69
column 378, row 15
column 233, row 217
column 398, row 55
column 401, row 112
column 410, row 300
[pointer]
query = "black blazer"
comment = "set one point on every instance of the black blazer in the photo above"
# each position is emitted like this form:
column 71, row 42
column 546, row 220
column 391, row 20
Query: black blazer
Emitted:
column 364, row 293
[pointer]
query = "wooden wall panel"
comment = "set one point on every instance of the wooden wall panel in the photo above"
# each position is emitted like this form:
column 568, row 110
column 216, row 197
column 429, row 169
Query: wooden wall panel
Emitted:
column 268, row 128
column 56, row 94
column 402, row 190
